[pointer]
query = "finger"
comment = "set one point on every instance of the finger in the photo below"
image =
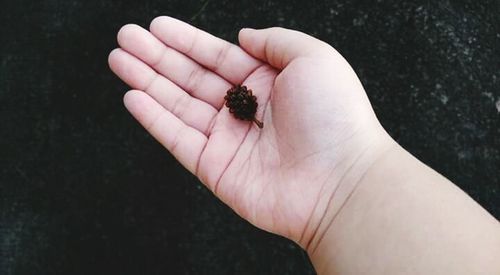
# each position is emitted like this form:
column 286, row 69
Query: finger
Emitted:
column 279, row 46
column 220, row 56
column 180, row 69
column 192, row 111
column 184, row 142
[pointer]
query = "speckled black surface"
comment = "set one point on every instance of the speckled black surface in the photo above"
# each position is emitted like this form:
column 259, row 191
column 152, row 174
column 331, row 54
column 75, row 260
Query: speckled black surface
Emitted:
column 84, row 190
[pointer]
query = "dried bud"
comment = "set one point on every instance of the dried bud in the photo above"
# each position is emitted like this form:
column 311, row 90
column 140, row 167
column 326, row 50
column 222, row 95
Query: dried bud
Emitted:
column 242, row 104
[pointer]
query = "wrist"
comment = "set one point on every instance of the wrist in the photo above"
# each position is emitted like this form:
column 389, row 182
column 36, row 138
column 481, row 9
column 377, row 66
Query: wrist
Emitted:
column 342, row 183
column 403, row 217
column 320, row 247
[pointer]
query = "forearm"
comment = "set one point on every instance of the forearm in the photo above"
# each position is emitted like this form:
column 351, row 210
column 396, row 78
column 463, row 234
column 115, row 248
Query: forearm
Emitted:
column 404, row 218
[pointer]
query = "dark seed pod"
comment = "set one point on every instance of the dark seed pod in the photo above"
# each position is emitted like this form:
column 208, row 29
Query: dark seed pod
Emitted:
column 242, row 104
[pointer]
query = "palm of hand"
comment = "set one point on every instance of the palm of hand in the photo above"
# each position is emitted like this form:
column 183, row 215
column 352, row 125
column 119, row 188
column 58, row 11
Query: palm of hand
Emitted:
column 258, row 177
column 262, row 174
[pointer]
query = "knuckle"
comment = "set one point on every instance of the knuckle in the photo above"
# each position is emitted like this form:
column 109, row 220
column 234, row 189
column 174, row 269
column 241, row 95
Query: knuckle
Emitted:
column 222, row 55
column 194, row 78
column 180, row 105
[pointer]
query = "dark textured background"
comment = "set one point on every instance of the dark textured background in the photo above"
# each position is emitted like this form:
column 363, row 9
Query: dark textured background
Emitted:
column 84, row 190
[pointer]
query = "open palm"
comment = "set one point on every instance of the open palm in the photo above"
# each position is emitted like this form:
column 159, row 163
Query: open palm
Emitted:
column 281, row 177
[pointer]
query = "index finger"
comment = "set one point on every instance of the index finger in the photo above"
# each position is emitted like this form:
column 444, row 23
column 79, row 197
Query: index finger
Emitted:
column 226, row 59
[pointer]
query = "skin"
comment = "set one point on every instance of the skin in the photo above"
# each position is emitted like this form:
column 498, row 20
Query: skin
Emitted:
column 313, row 173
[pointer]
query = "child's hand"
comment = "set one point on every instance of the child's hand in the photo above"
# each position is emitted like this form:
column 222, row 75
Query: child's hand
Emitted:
column 320, row 133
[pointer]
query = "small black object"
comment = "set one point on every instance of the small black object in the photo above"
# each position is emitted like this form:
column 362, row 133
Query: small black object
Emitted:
column 242, row 104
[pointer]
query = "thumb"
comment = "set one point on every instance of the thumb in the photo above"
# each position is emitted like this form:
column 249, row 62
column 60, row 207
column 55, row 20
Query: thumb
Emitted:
column 279, row 46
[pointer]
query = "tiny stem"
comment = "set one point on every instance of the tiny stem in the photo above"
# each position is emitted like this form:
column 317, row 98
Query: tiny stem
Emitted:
column 260, row 124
